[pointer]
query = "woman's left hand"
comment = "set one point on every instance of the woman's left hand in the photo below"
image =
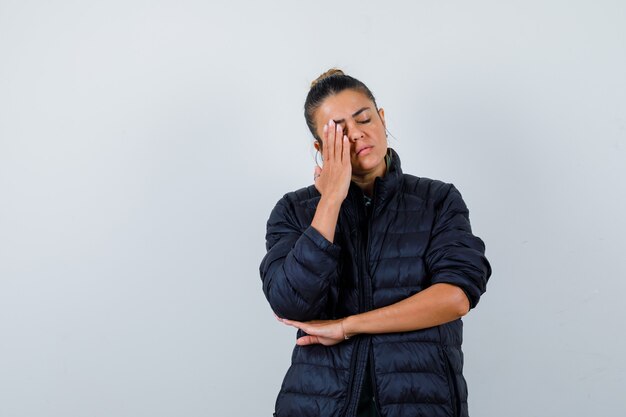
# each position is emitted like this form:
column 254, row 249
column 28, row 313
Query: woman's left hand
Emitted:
column 323, row 332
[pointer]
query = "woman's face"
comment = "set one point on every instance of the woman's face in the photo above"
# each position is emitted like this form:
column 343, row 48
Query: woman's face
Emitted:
column 365, row 128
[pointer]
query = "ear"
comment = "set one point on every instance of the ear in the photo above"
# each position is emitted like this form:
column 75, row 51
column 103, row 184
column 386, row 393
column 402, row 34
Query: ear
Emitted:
column 381, row 113
column 316, row 145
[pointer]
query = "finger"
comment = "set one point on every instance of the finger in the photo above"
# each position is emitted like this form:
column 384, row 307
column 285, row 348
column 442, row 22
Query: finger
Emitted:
column 338, row 141
column 345, row 157
column 285, row 321
column 317, row 171
column 308, row 340
column 331, row 140
column 325, row 143
column 294, row 323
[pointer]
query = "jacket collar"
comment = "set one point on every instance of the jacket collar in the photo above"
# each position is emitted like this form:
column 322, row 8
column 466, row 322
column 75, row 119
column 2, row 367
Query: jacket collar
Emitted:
column 384, row 187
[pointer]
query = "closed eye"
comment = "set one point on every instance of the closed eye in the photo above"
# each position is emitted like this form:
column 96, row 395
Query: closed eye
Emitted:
column 364, row 121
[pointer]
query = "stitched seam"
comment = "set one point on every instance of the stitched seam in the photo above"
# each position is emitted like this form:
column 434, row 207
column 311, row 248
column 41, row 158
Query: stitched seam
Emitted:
column 432, row 404
column 408, row 233
column 398, row 286
column 323, row 366
column 408, row 372
column 402, row 257
column 308, row 394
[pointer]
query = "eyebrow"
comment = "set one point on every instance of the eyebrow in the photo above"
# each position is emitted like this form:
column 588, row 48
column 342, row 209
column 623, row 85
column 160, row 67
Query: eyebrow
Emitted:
column 355, row 114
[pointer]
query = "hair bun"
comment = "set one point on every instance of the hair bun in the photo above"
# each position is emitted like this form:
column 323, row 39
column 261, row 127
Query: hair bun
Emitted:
column 329, row 73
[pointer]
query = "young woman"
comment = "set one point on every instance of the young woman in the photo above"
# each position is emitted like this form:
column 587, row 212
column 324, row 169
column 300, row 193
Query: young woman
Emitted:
column 375, row 268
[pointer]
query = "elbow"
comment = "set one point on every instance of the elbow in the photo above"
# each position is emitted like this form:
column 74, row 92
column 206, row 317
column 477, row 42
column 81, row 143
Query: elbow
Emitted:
column 460, row 302
column 306, row 302
column 463, row 307
column 292, row 306
column 292, row 312
column 455, row 299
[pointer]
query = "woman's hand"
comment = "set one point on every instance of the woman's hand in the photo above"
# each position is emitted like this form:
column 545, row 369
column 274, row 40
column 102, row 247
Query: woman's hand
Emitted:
column 324, row 332
column 333, row 180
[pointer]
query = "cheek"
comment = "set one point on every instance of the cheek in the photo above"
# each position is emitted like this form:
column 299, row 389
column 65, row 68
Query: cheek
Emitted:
column 378, row 132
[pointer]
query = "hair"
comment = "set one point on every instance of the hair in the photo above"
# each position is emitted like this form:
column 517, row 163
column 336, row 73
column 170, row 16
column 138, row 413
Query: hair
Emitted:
column 330, row 83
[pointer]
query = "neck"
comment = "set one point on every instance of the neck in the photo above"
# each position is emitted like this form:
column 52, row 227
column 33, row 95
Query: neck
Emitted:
column 366, row 181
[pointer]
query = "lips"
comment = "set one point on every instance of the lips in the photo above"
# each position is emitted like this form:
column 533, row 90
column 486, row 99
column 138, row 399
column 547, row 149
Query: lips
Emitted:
column 365, row 148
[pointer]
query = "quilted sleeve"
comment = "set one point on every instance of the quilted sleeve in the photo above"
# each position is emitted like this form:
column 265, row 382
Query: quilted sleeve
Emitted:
column 455, row 256
column 300, row 270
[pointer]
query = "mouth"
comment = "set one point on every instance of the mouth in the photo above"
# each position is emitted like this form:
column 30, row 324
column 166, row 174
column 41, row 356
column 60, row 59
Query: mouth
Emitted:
column 364, row 150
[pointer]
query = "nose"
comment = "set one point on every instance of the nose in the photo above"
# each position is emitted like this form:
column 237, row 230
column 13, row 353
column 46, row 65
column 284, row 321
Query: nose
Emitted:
column 354, row 133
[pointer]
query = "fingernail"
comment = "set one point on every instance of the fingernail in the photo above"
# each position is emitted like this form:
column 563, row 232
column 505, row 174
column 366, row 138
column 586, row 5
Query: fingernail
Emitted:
column 325, row 128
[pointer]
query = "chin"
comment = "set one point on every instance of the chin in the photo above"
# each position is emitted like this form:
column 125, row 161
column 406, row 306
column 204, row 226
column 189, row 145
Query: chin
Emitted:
column 368, row 164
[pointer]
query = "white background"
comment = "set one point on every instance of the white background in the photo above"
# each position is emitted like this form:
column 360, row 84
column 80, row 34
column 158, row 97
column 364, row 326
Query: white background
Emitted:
column 144, row 144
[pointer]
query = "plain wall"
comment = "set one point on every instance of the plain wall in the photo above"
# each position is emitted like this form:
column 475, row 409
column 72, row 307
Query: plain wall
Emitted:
column 144, row 144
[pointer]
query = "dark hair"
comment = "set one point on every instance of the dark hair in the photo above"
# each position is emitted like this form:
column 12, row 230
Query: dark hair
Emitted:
column 329, row 83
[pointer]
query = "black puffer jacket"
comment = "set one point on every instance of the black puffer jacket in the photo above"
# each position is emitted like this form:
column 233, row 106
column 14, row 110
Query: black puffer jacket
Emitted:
column 418, row 234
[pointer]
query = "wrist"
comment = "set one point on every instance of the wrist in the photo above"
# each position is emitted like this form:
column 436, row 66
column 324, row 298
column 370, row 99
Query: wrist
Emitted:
column 331, row 200
column 348, row 327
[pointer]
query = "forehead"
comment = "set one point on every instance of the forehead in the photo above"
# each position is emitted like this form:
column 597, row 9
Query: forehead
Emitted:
column 342, row 106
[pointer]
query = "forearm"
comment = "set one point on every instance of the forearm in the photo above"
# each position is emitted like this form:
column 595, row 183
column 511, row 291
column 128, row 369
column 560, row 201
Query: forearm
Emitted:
column 438, row 304
column 326, row 215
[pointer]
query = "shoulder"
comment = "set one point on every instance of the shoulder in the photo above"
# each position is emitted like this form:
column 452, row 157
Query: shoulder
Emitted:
column 296, row 206
column 305, row 196
column 425, row 188
column 433, row 195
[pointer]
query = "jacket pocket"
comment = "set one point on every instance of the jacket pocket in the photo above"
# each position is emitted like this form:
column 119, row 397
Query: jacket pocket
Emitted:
column 452, row 385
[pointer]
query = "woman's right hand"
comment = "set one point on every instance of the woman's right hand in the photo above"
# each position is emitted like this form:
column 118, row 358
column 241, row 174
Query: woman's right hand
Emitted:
column 333, row 179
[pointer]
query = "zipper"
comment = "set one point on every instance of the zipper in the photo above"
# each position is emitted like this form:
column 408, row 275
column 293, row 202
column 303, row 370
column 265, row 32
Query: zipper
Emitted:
column 365, row 304
column 370, row 297
column 353, row 387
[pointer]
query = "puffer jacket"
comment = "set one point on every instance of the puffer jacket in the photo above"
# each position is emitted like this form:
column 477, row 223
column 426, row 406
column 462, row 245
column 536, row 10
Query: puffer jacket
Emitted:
column 418, row 234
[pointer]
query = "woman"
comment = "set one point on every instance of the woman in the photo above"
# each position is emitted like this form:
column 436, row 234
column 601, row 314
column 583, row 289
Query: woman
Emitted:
column 375, row 268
